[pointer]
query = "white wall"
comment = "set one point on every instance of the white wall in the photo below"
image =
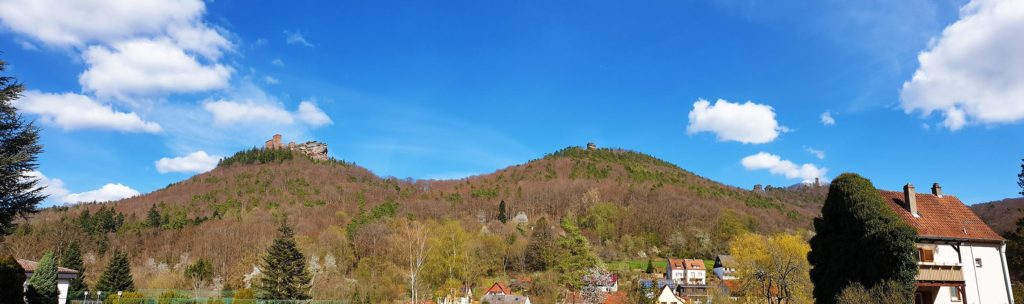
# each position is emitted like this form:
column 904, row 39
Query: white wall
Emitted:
column 985, row 284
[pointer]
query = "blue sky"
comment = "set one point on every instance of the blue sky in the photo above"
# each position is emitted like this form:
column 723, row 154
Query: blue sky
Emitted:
column 133, row 95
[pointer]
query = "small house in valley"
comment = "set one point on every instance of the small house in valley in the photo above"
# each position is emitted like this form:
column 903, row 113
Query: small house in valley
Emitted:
column 725, row 267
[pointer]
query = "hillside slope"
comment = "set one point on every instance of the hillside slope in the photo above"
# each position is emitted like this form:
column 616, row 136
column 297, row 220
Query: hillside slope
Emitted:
column 629, row 205
column 1001, row 215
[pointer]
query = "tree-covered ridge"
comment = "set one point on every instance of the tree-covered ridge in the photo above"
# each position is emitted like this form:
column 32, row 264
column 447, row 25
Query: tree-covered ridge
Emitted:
column 345, row 220
column 267, row 156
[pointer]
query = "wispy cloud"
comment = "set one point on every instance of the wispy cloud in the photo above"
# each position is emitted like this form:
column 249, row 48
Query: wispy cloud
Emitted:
column 296, row 37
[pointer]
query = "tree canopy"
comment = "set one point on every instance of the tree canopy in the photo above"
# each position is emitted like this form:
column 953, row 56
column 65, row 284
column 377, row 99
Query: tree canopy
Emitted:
column 773, row 269
column 71, row 258
column 860, row 240
column 12, row 276
column 285, row 276
column 117, row 276
column 20, row 191
column 42, row 286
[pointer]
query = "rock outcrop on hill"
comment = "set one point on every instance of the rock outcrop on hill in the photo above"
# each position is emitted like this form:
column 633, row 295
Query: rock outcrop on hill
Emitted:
column 314, row 149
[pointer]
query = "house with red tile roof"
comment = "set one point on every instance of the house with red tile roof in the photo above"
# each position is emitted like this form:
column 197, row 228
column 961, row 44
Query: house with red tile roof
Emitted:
column 498, row 289
column 961, row 259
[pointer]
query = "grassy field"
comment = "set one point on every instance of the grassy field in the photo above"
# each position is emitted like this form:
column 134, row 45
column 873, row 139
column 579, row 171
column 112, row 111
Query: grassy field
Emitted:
column 659, row 265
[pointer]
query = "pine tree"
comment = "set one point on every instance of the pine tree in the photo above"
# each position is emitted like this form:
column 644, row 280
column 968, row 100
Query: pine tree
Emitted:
column 858, row 239
column 502, row 216
column 153, row 217
column 42, row 286
column 284, row 270
column 650, row 266
column 1020, row 178
column 12, row 276
column 19, row 146
column 117, row 276
column 576, row 258
column 71, row 258
column 542, row 250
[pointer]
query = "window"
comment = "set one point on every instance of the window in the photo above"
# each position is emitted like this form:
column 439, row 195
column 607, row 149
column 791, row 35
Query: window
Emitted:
column 926, row 255
column 977, row 262
column 954, row 293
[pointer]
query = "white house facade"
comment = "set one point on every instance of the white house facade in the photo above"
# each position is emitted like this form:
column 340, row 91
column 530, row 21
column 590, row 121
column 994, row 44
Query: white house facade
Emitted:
column 961, row 259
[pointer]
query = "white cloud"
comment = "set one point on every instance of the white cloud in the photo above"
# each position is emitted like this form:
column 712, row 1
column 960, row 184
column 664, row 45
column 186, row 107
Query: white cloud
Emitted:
column 148, row 67
column 109, row 192
column 270, row 80
column 826, row 119
column 195, row 162
column 817, row 153
column 778, row 166
column 296, row 38
column 312, row 115
column 277, row 62
column 72, row 111
column 973, row 72
column 76, row 23
column 227, row 112
column 748, row 122
column 52, row 187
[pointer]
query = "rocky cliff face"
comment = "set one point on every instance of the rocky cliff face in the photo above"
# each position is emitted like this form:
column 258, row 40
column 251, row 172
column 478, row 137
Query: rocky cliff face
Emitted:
column 314, row 149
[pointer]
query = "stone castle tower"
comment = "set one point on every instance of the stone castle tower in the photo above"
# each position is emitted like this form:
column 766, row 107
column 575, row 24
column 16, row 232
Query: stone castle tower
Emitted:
column 314, row 149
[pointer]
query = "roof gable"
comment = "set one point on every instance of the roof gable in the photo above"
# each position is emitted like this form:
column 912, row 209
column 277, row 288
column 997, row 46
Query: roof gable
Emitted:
column 941, row 217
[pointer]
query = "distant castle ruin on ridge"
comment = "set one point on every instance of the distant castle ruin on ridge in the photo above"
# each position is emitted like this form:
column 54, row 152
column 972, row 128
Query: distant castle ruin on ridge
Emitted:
column 314, row 149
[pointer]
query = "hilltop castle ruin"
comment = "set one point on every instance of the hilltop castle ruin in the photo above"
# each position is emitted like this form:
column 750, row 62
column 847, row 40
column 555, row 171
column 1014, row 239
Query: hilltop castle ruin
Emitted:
column 314, row 149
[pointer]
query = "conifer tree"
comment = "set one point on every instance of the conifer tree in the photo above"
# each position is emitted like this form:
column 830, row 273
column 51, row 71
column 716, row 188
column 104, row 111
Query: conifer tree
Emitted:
column 576, row 258
column 502, row 216
column 858, row 239
column 71, row 258
column 285, row 276
column 153, row 217
column 650, row 266
column 1020, row 178
column 12, row 276
column 117, row 276
column 19, row 146
column 42, row 286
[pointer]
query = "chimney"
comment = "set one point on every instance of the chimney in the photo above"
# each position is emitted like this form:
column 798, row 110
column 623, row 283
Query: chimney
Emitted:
column 936, row 190
column 910, row 198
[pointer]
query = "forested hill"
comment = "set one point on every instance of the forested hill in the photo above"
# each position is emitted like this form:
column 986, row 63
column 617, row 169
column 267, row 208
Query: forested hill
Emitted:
column 1001, row 215
column 628, row 205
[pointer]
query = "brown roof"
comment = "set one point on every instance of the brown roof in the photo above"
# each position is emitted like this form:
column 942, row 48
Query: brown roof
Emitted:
column 676, row 264
column 30, row 266
column 941, row 217
column 693, row 264
column 498, row 288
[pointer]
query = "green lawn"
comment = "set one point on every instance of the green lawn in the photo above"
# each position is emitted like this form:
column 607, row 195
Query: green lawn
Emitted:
column 659, row 265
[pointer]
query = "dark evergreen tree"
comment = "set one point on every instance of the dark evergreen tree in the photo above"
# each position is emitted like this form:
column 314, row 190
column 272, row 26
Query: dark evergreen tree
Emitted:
column 1020, row 178
column 502, row 216
column 12, row 276
column 542, row 250
column 284, row 270
column 20, row 191
column 858, row 239
column 153, row 217
column 71, row 258
column 42, row 286
column 117, row 276
column 650, row 266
